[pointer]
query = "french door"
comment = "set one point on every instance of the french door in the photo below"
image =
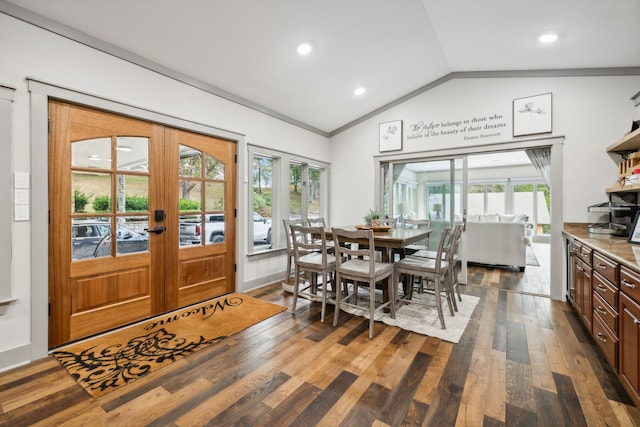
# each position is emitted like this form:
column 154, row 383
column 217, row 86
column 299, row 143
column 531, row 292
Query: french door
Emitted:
column 427, row 189
column 122, row 194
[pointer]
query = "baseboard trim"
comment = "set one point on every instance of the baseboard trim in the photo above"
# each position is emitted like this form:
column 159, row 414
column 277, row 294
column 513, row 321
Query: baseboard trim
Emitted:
column 14, row 357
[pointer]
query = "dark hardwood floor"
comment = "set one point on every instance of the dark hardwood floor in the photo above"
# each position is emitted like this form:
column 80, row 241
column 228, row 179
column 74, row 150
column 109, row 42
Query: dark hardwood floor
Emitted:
column 523, row 360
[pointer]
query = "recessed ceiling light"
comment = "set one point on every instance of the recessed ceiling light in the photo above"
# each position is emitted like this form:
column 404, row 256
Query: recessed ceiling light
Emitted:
column 548, row 37
column 304, row 49
column 359, row 91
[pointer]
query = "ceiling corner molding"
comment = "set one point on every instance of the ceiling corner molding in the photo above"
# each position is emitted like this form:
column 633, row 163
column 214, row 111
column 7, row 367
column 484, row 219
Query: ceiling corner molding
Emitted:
column 62, row 30
column 392, row 104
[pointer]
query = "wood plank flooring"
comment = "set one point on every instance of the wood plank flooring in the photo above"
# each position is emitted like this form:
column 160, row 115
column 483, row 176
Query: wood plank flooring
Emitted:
column 523, row 360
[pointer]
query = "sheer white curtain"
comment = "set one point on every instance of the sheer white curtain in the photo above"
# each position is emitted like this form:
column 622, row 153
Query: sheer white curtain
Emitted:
column 541, row 160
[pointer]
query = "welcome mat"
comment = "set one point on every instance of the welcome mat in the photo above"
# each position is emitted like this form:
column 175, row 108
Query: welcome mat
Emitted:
column 104, row 363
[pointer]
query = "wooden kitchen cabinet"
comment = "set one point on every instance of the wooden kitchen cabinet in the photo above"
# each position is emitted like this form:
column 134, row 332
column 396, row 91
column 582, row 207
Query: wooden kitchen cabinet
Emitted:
column 583, row 293
column 629, row 345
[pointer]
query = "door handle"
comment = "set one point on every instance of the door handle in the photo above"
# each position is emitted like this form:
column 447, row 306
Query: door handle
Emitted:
column 158, row 230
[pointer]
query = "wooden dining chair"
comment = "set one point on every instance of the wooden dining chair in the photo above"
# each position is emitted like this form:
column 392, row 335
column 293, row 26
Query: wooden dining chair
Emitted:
column 287, row 232
column 430, row 270
column 393, row 222
column 311, row 256
column 417, row 223
column 358, row 265
column 320, row 222
column 451, row 256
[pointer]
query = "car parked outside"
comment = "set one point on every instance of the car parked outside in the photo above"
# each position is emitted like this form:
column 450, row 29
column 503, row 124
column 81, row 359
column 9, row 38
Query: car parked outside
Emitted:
column 191, row 230
column 91, row 239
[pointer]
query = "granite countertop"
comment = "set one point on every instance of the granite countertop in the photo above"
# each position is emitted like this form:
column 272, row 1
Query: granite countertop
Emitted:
column 616, row 248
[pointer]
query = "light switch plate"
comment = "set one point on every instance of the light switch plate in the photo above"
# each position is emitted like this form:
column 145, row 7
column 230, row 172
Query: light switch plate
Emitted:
column 21, row 196
column 21, row 213
column 21, row 180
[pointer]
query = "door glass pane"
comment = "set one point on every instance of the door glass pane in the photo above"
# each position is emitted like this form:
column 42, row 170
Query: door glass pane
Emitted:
column 132, row 193
column 213, row 168
column 313, row 197
column 190, row 162
column 191, row 229
column 132, row 153
column 131, row 237
column 295, row 191
column 214, row 196
column 190, row 195
column 90, row 238
column 90, row 192
column 422, row 190
column 91, row 153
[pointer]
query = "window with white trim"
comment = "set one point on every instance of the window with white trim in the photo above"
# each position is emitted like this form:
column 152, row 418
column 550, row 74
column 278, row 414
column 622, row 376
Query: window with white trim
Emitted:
column 285, row 186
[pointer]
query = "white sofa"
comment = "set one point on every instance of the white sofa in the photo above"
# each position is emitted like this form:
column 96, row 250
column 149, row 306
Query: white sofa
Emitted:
column 497, row 240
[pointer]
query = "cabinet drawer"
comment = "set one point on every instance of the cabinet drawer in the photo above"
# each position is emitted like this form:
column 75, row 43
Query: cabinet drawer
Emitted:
column 606, row 267
column 606, row 313
column 630, row 282
column 606, row 341
column 605, row 289
column 584, row 253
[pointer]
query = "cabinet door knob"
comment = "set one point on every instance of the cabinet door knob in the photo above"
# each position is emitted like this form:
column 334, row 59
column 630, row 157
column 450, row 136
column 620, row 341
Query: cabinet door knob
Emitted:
column 601, row 288
column 602, row 311
column 602, row 266
column 601, row 337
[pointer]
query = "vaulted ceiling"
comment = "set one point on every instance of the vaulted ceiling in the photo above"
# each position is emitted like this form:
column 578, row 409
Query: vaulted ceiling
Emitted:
column 245, row 50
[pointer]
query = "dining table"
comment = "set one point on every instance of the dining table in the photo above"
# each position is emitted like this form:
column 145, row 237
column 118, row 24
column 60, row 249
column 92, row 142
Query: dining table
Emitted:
column 389, row 239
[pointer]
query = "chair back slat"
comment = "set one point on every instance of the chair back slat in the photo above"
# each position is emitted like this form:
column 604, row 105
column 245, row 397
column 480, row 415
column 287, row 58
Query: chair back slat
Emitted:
column 444, row 249
column 317, row 222
column 308, row 239
column 343, row 238
column 287, row 231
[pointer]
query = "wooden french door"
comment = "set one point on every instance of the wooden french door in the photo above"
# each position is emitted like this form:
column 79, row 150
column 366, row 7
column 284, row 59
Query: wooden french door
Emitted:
column 122, row 193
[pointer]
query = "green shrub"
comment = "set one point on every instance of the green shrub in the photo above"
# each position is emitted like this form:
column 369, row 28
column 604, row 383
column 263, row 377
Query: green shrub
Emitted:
column 189, row 205
column 137, row 203
column 102, row 204
column 80, row 200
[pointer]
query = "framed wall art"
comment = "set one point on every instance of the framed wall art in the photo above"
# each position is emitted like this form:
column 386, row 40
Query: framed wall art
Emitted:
column 532, row 115
column 391, row 136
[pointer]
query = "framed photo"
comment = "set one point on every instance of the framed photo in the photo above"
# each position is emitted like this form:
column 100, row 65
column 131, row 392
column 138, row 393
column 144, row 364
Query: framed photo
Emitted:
column 391, row 136
column 634, row 233
column 532, row 115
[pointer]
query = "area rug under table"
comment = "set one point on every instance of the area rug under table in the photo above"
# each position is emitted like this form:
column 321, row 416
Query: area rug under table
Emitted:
column 104, row 363
column 420, row 318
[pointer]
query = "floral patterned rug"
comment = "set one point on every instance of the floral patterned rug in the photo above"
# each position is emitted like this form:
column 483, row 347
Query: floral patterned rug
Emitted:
column 104, row 363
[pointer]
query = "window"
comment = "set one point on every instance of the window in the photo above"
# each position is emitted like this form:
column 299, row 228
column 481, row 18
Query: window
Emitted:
column 285, row 186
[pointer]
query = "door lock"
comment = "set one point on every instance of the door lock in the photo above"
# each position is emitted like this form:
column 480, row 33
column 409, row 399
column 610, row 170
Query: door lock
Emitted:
column 158, row 230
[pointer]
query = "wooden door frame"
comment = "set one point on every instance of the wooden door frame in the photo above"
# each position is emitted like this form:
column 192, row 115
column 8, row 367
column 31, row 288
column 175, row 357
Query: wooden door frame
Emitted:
column 40, row 93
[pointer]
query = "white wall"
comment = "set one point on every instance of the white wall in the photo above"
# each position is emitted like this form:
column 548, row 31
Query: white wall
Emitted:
column 590, row 112
column 30, row 52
